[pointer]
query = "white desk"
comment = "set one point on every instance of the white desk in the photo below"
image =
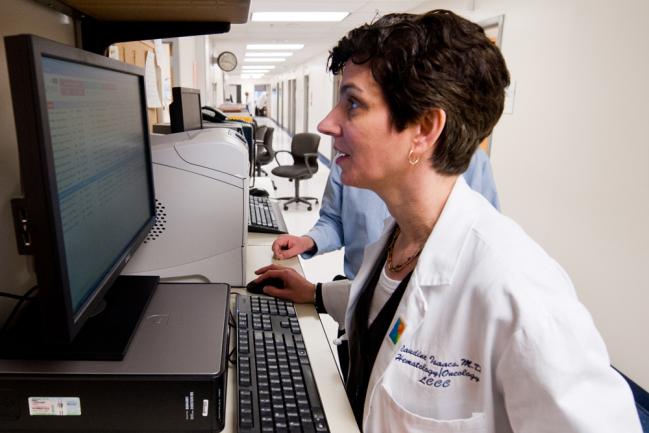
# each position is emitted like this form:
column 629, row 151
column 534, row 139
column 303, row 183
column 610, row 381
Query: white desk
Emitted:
column 330, row 386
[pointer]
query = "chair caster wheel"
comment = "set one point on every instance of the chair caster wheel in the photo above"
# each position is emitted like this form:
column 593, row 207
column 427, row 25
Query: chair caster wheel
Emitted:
column 285, row 207
column 309, row 208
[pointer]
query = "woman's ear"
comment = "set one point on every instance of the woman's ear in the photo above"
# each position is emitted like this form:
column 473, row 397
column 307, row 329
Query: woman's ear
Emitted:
column 431, row 126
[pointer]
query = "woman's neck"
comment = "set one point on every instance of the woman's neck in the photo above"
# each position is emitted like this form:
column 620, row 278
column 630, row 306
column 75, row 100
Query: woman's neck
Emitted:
column 416, row 209
column 417, row 206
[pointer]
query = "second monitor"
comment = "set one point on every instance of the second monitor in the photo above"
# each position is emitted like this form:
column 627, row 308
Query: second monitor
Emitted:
column 185, row 110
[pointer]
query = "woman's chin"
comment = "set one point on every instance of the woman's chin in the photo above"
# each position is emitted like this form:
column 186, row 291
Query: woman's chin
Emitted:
column 348, row 179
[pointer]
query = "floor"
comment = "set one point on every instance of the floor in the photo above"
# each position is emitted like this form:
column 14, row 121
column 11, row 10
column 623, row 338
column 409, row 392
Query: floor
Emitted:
column 299, row 220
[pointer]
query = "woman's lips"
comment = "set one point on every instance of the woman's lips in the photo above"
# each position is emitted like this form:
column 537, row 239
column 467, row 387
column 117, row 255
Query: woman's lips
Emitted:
column 340, row 156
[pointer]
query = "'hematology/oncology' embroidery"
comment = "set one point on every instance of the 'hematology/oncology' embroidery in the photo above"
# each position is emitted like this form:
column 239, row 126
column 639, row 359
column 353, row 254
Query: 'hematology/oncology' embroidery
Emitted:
column 438, row 373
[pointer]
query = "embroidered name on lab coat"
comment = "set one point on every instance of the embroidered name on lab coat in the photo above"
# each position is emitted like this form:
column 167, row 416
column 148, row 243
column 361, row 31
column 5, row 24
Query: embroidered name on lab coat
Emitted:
column 438, row 373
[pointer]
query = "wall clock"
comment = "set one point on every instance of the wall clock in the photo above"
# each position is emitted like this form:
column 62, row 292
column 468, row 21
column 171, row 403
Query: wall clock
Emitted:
column 227, row 61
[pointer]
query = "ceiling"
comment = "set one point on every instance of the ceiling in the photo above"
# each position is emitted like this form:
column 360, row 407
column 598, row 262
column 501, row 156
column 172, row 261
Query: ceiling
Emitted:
column 316, row 37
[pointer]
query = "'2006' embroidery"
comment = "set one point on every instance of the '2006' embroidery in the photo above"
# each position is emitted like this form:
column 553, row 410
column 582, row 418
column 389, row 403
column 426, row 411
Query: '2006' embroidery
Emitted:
column 438, row 373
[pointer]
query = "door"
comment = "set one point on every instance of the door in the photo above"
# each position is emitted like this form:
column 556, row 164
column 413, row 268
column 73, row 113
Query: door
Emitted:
column 305, row 126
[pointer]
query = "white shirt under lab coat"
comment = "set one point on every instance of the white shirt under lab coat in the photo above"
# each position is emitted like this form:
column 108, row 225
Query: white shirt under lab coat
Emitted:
column 493, row 337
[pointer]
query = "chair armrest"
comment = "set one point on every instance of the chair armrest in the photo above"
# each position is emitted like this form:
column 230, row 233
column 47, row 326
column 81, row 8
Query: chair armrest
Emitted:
column 306, row 161
column 281, row 151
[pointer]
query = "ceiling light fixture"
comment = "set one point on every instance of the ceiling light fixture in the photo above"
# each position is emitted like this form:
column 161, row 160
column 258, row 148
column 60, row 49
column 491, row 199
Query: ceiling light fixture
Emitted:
column 268, row 54
column 274, row 46
column 310, row 17
column 263, row 59
column 269, row 67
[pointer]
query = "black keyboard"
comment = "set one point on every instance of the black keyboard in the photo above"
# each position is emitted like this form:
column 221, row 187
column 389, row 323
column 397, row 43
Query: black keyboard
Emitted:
column 276, row 388
column 265, row 216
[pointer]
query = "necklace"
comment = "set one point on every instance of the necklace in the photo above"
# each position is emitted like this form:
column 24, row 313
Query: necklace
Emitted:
column 396, row 268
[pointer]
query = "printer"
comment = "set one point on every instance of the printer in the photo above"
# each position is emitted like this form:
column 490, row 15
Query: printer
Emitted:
column 201, row 228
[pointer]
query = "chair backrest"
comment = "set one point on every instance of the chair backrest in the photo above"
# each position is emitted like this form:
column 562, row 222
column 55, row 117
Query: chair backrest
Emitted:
column 260, row 132
column 268, row 141
column 305, row 142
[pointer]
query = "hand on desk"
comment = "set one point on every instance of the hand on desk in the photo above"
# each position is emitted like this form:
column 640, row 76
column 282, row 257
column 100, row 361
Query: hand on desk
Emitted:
column 287, row 246
column 296, row 288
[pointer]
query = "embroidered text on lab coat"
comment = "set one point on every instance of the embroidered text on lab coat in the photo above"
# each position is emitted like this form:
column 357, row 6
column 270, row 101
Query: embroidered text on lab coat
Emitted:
column 438, row 373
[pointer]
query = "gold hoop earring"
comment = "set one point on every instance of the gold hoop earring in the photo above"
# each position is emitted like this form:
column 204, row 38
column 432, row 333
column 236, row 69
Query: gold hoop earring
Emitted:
column 411, row 160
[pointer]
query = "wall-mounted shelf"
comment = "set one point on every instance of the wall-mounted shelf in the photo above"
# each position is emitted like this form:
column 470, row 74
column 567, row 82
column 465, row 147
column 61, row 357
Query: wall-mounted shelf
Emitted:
column 100, row 23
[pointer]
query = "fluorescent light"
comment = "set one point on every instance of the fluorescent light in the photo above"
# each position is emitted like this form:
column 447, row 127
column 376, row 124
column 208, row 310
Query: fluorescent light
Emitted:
column 299, row 16
column 252, row 75
column 274, row 46
column 267, row 67
column 269, row 54
column 264, row 59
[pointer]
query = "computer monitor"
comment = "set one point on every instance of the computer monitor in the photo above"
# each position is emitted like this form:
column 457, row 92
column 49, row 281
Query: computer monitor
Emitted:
column 88, row 198
column 185, row 110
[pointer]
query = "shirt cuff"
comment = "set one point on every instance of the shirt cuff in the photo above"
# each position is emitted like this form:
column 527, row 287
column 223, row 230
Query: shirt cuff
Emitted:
column 313, row 251
column 334, row 297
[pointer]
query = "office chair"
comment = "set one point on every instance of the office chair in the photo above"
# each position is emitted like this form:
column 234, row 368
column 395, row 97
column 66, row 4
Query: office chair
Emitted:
column 265, row 151
column 304, row 150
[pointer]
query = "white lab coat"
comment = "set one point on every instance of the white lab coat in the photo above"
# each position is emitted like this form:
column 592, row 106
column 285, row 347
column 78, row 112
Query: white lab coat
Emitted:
column 494, row 338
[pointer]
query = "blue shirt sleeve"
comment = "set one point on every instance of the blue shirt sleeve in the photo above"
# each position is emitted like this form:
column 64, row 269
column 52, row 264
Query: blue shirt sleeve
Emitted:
column 480, row 177
column 328, row 231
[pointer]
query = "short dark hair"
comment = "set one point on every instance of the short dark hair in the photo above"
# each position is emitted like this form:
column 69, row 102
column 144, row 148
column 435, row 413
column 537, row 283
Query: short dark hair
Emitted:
column 433, row 60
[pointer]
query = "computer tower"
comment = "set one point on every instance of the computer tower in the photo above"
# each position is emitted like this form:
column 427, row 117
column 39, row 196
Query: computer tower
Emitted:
column 173, row 378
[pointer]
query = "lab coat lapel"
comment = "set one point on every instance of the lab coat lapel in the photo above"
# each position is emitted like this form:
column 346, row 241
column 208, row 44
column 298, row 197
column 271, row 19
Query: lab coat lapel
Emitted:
column 408, row 317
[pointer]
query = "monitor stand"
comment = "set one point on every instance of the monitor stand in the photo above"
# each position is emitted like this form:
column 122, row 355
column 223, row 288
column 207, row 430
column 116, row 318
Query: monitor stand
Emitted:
column 105, row 336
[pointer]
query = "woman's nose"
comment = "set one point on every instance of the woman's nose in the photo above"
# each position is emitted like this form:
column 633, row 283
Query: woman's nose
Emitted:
column 328, row 125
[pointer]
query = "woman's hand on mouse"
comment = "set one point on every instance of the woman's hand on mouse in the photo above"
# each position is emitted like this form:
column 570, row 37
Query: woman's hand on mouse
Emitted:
column 296, row 288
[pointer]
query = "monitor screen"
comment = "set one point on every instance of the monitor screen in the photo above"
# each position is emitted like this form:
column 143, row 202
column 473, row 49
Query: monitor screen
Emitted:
column 192, row 116
column 87, row 180
column 98, row 147
column 185, row 110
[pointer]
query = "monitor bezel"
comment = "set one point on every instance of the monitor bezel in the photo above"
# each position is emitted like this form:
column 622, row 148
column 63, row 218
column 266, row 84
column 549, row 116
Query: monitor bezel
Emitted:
column 24, row 59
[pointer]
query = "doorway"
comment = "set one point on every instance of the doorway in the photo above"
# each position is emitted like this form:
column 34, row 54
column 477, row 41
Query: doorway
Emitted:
column 306, row 104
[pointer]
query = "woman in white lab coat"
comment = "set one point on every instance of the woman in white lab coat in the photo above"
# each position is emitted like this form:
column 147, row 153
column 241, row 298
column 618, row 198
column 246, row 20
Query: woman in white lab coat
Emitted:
column 457, row 321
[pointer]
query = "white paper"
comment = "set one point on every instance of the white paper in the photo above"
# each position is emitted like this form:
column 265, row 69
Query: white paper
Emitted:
column 151, row 82
column 157, row 43
column 113, row 52
column 162, row 58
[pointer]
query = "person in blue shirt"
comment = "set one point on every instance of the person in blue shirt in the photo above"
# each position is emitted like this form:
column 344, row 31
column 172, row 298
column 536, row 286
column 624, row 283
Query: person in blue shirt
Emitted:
column 353, row 217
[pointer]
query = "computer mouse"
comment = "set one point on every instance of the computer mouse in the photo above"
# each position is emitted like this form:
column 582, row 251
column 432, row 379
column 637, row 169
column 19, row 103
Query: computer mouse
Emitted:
column 258, row 288
column 258, row 192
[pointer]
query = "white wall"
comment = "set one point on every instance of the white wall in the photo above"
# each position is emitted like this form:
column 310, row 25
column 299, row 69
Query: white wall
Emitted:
column 191, row 66
column 571, row 161
column 320, row 97
column 18, row 16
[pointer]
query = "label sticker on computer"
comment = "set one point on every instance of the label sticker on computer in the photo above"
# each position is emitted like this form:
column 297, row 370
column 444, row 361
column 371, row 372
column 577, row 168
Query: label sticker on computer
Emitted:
column 206, row 406
column 54, row 406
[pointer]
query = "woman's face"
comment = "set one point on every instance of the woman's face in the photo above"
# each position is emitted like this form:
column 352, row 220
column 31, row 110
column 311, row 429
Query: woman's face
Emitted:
column 372, row 152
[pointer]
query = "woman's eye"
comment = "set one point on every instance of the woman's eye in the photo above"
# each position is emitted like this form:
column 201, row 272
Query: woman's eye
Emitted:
column 352, row 104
